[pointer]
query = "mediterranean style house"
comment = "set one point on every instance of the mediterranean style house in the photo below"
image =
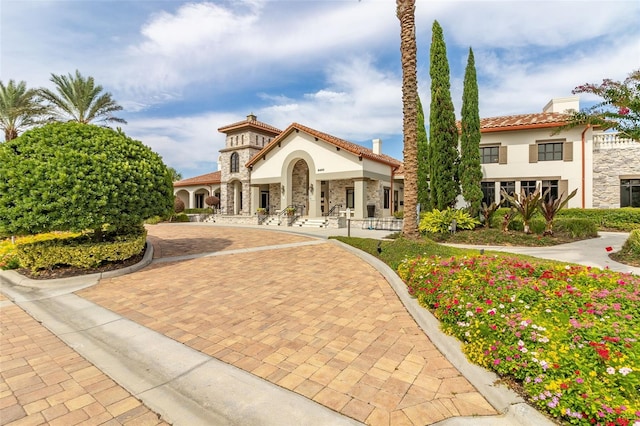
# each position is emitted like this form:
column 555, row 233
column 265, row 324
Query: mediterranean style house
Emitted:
column 299, row 168
column 266, row 170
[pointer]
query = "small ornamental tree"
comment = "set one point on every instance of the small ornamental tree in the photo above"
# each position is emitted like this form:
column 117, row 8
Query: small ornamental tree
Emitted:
column 619, row 110
column 178, row 205
column 526, row 205
column 212, row 201
column 76, row 177
column 549, row 207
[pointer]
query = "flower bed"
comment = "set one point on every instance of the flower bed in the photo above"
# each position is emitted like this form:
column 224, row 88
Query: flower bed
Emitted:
column 568, row 334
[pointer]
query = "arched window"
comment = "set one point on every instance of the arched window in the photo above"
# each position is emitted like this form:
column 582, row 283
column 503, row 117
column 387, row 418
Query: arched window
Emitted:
column 235, row 163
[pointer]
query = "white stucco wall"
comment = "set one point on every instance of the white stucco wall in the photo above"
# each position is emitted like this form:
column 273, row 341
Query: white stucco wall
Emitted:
column 518, row 168
column 328, row 162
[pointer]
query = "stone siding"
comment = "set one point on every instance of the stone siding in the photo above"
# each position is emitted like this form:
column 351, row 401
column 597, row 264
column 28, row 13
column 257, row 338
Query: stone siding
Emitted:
column 300, row 185
column 610, row 161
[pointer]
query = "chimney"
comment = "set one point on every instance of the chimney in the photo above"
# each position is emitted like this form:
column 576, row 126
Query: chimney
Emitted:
column 563, row 105
column 251, row 117
column 377, row 146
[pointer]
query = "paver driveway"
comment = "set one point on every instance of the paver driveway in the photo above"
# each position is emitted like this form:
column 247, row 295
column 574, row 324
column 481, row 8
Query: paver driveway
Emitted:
column 300, row 312
column 43, row 381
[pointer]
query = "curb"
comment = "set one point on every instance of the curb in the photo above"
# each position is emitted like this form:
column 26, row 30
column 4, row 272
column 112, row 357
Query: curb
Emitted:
column 513, row 408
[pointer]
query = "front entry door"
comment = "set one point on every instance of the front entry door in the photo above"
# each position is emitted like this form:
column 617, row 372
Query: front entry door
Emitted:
column 264, row 200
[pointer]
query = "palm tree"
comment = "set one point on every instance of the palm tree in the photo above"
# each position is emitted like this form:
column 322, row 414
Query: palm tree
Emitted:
column 405, row 10
column 19, row 108
column 79, row 99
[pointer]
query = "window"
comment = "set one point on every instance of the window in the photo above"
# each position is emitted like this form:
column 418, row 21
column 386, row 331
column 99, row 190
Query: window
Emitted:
column 489, row 154
column 629, row 192
column 528, row 186
column 351, row 198
column 509, row 187
column 550, row 151
column 235, row 163
column 387, row 193
column 552, row 186
column 488, row 192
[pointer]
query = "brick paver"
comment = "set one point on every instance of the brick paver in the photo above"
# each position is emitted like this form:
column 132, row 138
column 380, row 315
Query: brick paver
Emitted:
column 313, row 319
column 43, row 381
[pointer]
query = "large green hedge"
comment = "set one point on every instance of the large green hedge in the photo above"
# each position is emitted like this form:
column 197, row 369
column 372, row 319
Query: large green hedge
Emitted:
column 624, row 219
column 73, row 177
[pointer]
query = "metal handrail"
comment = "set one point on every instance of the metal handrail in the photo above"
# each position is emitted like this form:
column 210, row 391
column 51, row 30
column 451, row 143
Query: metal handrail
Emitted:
column 332, row 209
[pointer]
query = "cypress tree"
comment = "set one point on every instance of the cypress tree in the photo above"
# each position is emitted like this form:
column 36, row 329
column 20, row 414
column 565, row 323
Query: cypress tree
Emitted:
column 442, row 127
column 424, row 197
column 470, row 169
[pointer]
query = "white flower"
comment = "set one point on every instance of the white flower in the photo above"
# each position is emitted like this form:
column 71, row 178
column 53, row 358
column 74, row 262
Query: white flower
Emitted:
column 611, row 370
column 625, row 370
column 524, row 350
column 469, row 314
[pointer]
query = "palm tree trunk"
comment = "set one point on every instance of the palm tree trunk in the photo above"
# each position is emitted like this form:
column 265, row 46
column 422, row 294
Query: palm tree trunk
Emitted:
column 406, row 14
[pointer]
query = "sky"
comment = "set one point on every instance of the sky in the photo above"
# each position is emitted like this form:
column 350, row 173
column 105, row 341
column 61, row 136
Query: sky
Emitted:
column 182, row 69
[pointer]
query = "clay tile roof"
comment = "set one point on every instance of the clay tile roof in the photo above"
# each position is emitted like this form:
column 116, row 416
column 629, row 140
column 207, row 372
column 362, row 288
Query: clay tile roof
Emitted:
column 522, row 122
column 250, row 122
column 356, row 149
column 207, row 179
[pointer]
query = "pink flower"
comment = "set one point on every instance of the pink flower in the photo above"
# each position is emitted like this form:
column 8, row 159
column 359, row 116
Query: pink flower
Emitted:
column 623, row 111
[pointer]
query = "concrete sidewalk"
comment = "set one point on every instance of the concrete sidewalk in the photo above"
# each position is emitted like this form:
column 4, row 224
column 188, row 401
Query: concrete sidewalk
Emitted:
column 294, row 343
column 592, row 252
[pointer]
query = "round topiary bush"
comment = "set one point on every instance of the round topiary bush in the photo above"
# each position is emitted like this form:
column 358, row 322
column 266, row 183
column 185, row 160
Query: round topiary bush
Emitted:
column 77, row 177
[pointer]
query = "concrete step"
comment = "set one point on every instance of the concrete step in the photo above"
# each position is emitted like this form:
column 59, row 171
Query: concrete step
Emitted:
column 311, row 223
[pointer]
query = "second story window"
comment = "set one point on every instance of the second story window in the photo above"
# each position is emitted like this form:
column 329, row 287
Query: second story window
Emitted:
column 550, row 151
column 489, row 154
column 235, row 163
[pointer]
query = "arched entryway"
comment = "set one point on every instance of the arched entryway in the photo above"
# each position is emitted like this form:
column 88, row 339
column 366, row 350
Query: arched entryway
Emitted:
column 300, row 186
column 234, row 195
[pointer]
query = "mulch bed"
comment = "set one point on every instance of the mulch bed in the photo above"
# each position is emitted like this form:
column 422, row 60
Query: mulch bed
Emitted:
column 65, row 271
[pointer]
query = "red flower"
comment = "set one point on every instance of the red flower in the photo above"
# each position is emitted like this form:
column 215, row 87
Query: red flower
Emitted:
column 623, row 111
column 564, row 386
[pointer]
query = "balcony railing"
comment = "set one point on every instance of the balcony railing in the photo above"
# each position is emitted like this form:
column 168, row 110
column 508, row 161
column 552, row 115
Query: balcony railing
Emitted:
column 612, row 140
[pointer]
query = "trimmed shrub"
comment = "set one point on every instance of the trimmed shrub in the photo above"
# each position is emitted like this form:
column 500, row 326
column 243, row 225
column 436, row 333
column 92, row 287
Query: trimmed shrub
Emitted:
column 577, row 228
column 182, row 217
column 81, row 252
column 199, row 211
column 624, row 219
column 632, row 245
column 437, row 221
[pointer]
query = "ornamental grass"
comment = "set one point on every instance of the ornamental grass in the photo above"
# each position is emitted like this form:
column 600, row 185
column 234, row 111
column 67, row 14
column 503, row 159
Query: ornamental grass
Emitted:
column 567, row 334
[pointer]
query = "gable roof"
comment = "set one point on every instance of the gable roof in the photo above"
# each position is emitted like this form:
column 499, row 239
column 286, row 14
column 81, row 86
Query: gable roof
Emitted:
column 251, row 121
column 351, row 147
column 523, row 122
column 206, row 179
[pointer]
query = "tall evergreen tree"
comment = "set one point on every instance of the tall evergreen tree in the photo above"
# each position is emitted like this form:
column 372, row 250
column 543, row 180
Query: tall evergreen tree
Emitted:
column 470, row 169
column 442, row 127
column 405, row 10
column 424, row 196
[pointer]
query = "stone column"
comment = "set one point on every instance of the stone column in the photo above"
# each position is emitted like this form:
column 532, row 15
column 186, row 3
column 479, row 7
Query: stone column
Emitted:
column 192, row 199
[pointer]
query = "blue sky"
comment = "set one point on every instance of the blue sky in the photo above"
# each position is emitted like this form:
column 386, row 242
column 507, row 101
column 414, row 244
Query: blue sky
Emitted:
column 183, row 69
